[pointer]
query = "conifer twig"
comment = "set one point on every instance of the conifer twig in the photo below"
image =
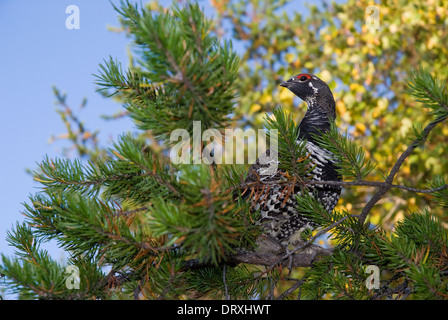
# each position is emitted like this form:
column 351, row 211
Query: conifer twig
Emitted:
column 224, row 279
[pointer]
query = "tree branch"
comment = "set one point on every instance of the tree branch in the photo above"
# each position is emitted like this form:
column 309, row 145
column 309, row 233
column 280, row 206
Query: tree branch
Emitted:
column 304, row 258
column 309, row 243
column 382, row 191
column 374, row 184
column 268, row 259
column 360, row 183
column 303, row 255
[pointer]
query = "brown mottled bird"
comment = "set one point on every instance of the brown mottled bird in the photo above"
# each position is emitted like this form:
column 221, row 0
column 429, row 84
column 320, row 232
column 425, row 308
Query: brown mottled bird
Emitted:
column 280, row 219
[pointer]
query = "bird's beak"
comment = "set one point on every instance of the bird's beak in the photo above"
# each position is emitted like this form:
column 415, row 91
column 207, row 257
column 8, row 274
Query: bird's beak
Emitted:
column 285, row 84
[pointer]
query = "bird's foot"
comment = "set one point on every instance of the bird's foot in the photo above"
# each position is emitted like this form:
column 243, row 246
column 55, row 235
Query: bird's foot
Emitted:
column 267, row 244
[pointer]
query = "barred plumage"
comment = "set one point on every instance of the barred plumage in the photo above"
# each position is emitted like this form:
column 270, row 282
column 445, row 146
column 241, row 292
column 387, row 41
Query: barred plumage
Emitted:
column 279, row 216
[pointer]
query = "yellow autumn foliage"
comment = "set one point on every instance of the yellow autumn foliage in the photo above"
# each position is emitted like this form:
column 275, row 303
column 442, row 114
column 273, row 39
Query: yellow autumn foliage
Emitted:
column 367, row 71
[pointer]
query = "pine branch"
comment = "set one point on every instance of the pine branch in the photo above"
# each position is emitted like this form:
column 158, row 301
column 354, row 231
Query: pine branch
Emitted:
column 133, row 167
column 351, row 159
column 430, row 91
column 37, row 275
column 186, row 73
column 416, row 251
column 439, row 190
column 289, row 151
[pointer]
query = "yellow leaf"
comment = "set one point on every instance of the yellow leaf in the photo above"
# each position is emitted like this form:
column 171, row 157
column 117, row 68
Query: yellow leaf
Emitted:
column 375, row 219
column 405, row 170
column 385, row 41
column 357, row 87
column 445, row 131
column 309, row 65
column 254, row 108
column 355, row 73
column 286, row 96
column 432, row 42
column 289, row 57
column 340, row 107
column 412, row 204
column 406, row 125
column 328, row 49
column 382, row 104
column 360, row 128
column 325, row 75
column 351, row 40
column 265, row 98
column 393, row 28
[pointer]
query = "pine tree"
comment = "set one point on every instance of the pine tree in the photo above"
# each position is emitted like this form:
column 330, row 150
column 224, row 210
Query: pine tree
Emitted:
column 136, row 225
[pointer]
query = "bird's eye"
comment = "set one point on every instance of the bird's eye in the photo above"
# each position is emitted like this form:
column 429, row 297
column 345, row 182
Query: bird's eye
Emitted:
column 303, row 77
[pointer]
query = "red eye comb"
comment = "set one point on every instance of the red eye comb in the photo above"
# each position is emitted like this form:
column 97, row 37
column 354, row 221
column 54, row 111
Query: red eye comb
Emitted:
column 304, row 75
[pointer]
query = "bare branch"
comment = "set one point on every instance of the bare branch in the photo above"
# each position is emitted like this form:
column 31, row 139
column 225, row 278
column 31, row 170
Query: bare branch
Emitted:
column 224, row 279
column 382, row 191
column 360, row 183
column 304, row 258
column 269, row 259
column 374, row 184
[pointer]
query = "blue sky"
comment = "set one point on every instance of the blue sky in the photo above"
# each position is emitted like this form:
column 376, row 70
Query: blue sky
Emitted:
column 37, row 51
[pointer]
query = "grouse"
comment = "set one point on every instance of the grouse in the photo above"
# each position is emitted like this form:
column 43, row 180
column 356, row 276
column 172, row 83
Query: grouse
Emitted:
column 280, row 219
